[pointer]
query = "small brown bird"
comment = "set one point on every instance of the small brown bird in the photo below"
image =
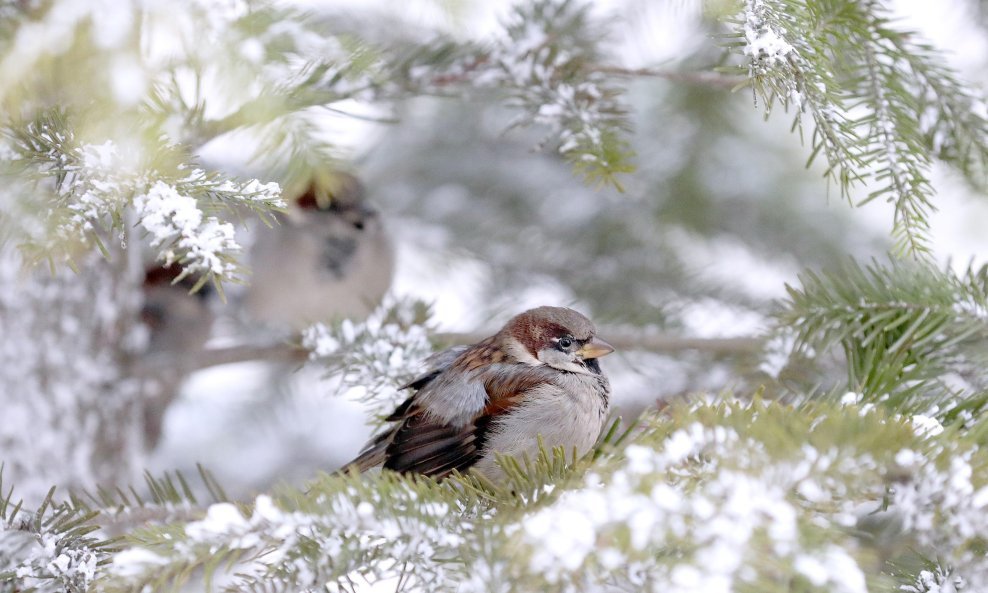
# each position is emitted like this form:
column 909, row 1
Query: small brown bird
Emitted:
column 538, row 376
column 329, row 257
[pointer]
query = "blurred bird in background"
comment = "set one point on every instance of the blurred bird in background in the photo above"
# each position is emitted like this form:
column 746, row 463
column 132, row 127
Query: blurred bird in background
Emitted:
column 179, row 325
column 329, row 257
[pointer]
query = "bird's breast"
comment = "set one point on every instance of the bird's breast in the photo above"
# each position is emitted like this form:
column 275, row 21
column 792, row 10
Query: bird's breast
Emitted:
column 568, row 414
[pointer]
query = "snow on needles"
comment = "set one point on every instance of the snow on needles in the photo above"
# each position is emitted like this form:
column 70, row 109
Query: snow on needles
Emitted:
column 764, row 45
column 47, row 562
column 947, row 510
column 175, row 222
column 311, row 548
column 714, row 532
column 102, row 179
column 546, row 43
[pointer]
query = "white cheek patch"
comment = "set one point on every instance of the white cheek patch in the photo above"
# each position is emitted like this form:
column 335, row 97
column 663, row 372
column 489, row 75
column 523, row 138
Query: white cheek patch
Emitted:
column 562, row 361
column 515, row 349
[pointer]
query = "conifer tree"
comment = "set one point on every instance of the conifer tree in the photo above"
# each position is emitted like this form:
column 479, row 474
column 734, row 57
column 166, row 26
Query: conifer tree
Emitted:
column 842, row 453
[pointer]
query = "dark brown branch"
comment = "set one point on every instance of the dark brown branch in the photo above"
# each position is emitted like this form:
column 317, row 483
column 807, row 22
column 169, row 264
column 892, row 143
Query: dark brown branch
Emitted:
column 279, row 352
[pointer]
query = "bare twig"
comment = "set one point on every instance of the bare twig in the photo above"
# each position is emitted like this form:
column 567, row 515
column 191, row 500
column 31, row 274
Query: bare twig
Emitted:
column 282, row 352
column 117, row 523
column 278, row 352
column 699, row 78
column 286, row 352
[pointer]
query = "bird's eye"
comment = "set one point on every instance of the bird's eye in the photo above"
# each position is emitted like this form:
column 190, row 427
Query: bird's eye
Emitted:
column 565, row 342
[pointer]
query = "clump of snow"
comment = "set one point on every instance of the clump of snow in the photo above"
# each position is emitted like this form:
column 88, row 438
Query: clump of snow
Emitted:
column 201, row 244
column 764, row 44
column 98, row 186
column 132, row 562
column 926, row 425
column 850, row 398
column 45, row 560
column 940, row 580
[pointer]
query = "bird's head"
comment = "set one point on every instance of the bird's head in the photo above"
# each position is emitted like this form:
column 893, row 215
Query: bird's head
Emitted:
column 557, row 337
column 342, row 198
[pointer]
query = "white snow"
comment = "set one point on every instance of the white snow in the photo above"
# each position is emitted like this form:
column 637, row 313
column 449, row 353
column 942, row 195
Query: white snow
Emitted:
column 722, row 516
column 374, row 357
column 764, row 44
column 176, row 224
column 926, row 425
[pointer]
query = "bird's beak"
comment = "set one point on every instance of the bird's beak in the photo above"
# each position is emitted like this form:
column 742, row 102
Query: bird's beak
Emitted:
column 595, row 348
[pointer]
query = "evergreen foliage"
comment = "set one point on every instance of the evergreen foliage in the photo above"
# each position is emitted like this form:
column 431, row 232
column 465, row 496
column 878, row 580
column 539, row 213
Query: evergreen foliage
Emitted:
column 871, row 479
column 882, row 104
column 906, row 330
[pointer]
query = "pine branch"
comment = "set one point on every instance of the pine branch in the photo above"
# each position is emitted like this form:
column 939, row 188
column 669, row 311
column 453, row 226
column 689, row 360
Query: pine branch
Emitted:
column 170, row 498
column 90, row 187
column 547, row 64
column 901, row 327
column 881, row 103
column 662, row 497
column 715, row 80
column 288, row 352
column 51, row 550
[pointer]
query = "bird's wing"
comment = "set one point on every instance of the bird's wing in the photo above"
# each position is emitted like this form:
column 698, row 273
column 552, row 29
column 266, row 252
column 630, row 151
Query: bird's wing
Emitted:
column 433, row 441
column 373, row 454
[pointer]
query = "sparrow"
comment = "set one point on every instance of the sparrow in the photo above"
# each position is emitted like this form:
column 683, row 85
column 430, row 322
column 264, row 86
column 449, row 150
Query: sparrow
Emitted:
column 328, row 257
column 179, row 324
column 538, row 377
